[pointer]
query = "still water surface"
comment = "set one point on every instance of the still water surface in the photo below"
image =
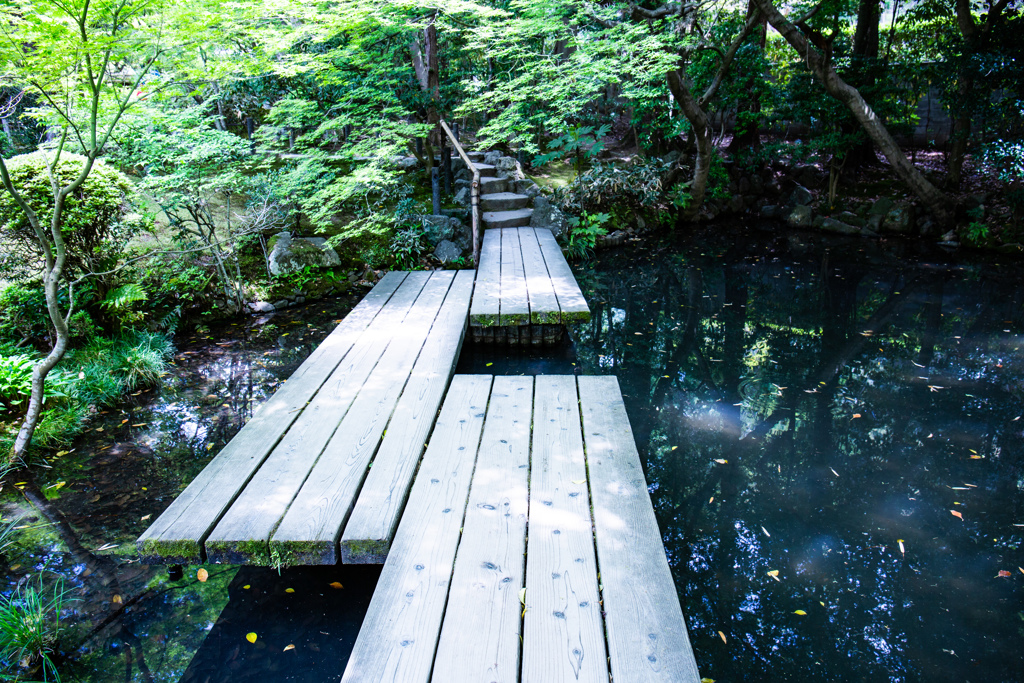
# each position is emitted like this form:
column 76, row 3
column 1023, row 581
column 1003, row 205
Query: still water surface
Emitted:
column 811, row 413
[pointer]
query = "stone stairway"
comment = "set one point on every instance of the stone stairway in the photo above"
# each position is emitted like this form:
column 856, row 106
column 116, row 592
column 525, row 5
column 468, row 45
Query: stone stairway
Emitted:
column 501, row 207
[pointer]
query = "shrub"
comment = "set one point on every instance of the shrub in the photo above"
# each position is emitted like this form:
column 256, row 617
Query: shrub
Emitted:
column 95, row 226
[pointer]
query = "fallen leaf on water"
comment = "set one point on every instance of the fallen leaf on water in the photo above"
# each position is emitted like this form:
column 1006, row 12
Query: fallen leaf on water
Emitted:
column 855, row 416
column 251, row 637
column 99, row 429
column 766, row 532
column 579, row 481
column 774, row 574
column 143, row 519
column 289, row 590
column 123, row 421
column 116, row 600
column 977, row 457
column 722, row 636
column 288, row 647
column 900, row 541
column 246, row 587
column 489, row 365
column 956, row 514
column 707, row 680
column 1003, row 574
column 721, row 461
column 834, row 472
column 711, row 500
column 336, row 585
column 202, row 574
column 675, row 447
column 800, row 612
column 141, row 424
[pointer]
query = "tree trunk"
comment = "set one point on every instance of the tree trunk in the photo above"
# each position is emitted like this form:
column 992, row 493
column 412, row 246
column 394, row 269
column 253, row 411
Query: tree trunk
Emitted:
column 747, row 135
column 865, row 57
column 930, row 196
column 679, row 85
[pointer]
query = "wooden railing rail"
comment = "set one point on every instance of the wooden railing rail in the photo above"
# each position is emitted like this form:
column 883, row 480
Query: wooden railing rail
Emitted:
column 474, row 191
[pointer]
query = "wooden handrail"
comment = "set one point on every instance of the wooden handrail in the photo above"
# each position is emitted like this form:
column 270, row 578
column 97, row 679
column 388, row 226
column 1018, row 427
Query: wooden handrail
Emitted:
column 474, row 191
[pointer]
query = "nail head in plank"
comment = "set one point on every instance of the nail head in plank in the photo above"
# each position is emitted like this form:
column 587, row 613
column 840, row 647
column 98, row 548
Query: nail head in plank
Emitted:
column 487, row 290
column 647, row 639
column 376, row 513
column 544, row 308
column 515, row 306
column 563, row 635
column 309, row 530
column 242, row 535
column 398, row 638
column 176, row 535
column 480, row 636
column 570, row 299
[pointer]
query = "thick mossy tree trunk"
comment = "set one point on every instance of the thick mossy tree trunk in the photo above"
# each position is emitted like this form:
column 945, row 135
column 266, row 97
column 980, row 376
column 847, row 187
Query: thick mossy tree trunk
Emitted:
column 932, row 198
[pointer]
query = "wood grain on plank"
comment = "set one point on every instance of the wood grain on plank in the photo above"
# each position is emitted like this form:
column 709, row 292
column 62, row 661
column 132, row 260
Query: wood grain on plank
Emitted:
column 177, row 534
column 487, row 292
column 515, row 303
column 570, row 299
column 543, row 302
column 563, row 635
column 375, row 515
column 480, row 639
column 241, row 535
column 308, row 531
column 399, row 634
column 647, row 639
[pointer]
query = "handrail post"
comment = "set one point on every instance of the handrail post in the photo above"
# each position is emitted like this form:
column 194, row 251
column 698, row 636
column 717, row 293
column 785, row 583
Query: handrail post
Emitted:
column 474, row 191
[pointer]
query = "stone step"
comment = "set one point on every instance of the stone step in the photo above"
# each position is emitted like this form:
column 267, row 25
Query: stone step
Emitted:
column 486, row 170
column 476, row 156
column 519, row 218
column 494, row 185
column 503, row 201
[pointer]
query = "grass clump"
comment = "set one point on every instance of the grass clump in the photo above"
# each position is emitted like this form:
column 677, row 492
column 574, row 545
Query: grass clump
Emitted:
column 30, row 630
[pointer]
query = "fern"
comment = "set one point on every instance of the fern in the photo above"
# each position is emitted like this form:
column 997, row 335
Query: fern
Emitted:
column 122, row 298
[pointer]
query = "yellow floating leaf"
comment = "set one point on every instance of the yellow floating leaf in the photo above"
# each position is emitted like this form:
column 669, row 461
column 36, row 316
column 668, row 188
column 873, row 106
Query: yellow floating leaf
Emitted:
column 675, row 447
column 711, row 500
column 834, row 472
column 140, row 424
column 707, row 680
column 976, row 457
column 288, row 647
column 117, row 600
column 956, row 514
column 489, row 365
column 774, row 574
column 1003, row 574
column 336, row 585
column 579, row 481
column 722, row 636
column 251, row 637
column 821, row 603
column 289, row 590
column 123, row 421
column 246, row 587
column 800, row 612
column 202, row 574
column 721, row 461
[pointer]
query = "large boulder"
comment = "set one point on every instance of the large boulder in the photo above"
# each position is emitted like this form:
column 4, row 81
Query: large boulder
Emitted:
column 491, row 158
column 447, row 251
column 547, row 215
column 291, row 254
column 462, row 197
column 800, row 216
column 439, row 228
column 527, row 187
column 800, row 196
column 881, row 207
column 899, row 219
column 834, row 225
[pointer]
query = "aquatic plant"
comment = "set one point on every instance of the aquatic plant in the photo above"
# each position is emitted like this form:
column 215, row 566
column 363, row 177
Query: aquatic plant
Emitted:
column 140, row 358
column 29, row 631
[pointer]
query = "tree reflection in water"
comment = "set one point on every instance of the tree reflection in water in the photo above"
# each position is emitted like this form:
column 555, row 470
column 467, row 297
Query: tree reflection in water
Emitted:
column 803, row 405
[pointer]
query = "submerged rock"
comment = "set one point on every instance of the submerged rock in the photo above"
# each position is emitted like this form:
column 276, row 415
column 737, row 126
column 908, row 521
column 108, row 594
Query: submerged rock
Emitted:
column 800, row 216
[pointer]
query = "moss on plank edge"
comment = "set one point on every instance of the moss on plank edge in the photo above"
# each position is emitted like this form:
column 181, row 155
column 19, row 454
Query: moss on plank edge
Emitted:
column 546, row 317
column 371, row 551
column 570, row 317
column 239, row 552
column 158, row 551
column 484, row 320
column 301, row 553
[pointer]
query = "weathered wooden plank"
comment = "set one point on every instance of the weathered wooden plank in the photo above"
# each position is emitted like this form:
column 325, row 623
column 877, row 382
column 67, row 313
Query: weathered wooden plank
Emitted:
column 543, row 302
column 570, row 299
column 647, row 639
column 563, row 636
column 399, row 635
column 176, row 535
column 308, row 531
column 487, row 292
column 515, row 306
column 480, row 637
column 371, row 526
column 241, row 535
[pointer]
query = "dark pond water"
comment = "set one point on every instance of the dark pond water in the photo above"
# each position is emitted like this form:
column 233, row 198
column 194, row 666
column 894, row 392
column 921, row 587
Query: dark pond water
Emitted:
column 811, row 413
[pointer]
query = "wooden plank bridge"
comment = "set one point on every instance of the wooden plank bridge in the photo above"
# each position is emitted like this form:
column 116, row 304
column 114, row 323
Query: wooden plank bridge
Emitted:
column 511, row 514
